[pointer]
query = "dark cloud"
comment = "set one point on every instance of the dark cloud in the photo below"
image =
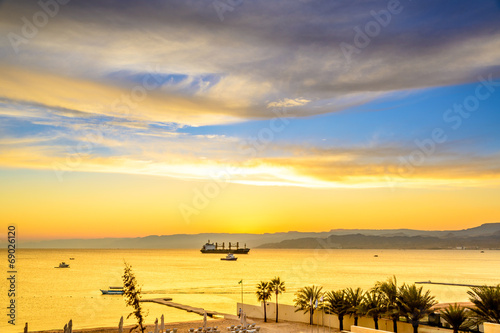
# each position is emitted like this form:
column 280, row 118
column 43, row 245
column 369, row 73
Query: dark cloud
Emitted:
column 294, row 47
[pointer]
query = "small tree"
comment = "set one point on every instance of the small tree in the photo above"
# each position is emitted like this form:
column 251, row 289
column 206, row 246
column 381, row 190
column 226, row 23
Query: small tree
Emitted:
column 458, row 317
column 415, row 304
column 374, row 305
column 390, row 290
column 354, row 297
column 486, row 302
column 278, row 287
column 132, row 293
column 337, row 303
column 306, row 299
column 264, row 294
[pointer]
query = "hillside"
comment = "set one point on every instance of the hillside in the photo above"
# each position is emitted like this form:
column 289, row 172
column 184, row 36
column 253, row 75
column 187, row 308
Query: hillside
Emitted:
column 484, row 236
column 360, row 241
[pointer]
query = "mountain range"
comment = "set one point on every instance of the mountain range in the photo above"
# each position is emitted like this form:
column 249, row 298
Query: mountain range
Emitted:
column 484, row 236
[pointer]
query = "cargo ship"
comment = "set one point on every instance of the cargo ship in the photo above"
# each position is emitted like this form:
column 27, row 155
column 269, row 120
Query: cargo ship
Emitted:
column 221, row 248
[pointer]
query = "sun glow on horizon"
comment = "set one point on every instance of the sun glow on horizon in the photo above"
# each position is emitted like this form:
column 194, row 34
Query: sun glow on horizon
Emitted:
column 134, row 120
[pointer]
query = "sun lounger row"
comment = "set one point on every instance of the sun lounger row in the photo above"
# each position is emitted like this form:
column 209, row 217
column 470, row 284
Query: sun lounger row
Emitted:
column 250, row 328
column 204, row 330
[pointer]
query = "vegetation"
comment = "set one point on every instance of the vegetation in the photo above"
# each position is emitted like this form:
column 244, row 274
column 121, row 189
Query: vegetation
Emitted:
column 132, row 294
column 458, row 317
column 415, row 304
column 337, row 303
column 278, row 287
column 387, row 299
column 307, row 299
column 264, row 294
column 354, row 299
column 486, row 302
column 373, row 305
column 390, row 291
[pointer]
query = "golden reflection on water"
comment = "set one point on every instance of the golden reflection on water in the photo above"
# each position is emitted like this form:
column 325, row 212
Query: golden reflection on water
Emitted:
column 48, row 297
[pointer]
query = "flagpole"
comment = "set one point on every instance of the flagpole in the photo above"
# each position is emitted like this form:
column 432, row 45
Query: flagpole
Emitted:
column 242, row 292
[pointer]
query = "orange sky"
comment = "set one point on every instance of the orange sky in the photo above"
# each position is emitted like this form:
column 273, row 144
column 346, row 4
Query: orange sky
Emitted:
column 92, row 205
column 132, row 120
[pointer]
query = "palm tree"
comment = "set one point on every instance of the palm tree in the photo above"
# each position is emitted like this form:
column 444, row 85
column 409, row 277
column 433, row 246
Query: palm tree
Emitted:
column 354, row 298
column 374, row 305
column 458, row 317
column 338, row 304
column 264, row 294
column 486, row 302
column 390, row 291
column 306, row 298
column 415, row 304
column 278, row 287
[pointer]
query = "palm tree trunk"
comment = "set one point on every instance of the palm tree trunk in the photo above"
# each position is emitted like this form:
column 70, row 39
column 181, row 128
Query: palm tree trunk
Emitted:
column 276, row 306
column 311, row 313
column 265, row 315
column 415, row 327
column 355, row 321
column 375, row 320
column 395, row 325
column 341, row 323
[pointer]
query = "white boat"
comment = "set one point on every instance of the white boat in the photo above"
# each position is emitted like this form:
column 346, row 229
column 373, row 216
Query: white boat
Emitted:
column 112, row 291
column 63, row 265
column 229, row 257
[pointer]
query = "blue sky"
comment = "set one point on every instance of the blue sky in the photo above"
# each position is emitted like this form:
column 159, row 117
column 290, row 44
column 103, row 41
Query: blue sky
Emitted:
column 183, row 81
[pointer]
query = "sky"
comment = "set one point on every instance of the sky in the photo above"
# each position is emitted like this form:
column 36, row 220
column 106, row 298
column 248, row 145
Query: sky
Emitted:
column 136, row 118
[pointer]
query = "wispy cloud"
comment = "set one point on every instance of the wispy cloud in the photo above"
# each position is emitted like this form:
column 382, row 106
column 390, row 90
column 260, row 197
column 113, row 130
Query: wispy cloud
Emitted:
column 134, row 74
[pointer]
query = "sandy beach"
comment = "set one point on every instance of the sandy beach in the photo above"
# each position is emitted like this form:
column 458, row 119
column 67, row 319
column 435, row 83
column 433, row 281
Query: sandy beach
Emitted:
column 269, row 327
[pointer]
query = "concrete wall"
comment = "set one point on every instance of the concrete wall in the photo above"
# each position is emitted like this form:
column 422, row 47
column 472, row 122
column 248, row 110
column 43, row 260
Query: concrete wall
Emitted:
column 359, row 329
column 287, row 313
column 491, row 328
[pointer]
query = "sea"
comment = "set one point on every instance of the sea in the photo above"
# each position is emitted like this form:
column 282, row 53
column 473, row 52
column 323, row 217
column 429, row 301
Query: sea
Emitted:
column 48, row 297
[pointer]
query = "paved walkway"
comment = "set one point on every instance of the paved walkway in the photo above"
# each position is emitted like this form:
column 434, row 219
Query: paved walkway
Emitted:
column 188, row 308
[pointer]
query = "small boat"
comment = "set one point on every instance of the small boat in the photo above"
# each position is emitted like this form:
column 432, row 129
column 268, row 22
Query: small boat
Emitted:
column 112, row 292
column 376, row 256
column 71, row 258
column 229, row 257
column 63, row 265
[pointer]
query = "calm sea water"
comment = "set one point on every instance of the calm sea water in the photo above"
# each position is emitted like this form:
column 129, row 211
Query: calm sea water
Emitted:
column 48, row 297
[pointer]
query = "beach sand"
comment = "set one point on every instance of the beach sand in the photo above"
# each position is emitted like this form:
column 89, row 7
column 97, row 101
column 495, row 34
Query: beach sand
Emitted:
column 269, row 327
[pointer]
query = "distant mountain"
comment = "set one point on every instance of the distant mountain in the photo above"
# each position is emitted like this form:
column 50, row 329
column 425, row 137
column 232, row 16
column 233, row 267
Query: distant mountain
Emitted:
column 483, row 230
column 178, row 241
column 486, row 234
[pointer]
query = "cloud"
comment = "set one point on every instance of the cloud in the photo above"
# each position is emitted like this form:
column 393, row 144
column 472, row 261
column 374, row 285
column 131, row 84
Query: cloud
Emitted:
column 262, row 54
column 126, row 76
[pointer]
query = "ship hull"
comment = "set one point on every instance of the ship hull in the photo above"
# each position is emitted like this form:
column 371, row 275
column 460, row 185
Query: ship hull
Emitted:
column 112, row 292
column 219, row 251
